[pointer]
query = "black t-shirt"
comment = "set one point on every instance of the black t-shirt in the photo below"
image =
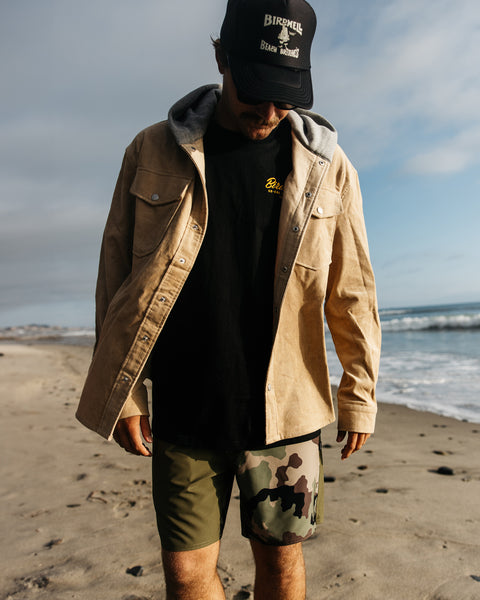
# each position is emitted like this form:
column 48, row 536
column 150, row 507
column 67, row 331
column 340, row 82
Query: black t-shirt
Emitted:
column 210, row 362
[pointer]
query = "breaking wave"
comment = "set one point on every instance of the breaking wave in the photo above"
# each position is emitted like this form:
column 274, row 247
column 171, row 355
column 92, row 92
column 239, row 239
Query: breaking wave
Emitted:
column 433, row 323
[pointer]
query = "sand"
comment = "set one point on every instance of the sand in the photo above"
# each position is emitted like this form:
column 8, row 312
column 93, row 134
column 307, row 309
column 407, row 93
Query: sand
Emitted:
column 77, row 513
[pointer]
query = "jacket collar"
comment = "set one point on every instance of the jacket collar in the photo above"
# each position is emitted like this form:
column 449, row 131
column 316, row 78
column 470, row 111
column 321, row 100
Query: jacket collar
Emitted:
column 189, row 117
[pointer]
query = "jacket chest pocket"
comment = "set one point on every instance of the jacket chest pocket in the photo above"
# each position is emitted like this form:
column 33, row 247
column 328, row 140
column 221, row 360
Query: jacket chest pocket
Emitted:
column 316, row 247
column 158, row 197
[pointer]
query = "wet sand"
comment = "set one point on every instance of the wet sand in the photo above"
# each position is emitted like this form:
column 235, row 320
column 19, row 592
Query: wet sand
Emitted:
column 77, row 513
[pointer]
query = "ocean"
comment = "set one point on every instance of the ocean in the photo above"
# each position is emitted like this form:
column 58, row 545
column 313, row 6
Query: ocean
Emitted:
column 430, row 359
column 430, row 356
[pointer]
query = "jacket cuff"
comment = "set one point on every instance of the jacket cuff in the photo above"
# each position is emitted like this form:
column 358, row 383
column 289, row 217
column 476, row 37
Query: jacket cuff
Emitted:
column 136, row 403
column 357, row 421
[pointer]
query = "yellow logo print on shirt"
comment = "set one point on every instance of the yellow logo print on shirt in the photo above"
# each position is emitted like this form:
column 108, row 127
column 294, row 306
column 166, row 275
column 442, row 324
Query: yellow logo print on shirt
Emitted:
column 273, row 186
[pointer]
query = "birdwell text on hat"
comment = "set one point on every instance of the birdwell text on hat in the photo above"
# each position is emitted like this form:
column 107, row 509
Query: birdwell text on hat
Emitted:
column 271, row 20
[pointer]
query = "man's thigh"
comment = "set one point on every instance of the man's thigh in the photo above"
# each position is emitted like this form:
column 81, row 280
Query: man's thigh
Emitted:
column 281, row 492
column 191, row 493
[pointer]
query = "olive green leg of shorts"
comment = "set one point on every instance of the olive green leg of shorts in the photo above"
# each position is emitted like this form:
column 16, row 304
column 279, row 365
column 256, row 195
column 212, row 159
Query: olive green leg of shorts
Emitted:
column 191, row 493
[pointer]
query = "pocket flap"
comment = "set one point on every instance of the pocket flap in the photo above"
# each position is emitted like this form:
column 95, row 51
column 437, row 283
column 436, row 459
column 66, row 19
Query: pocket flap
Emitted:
column 327, row 204
column 158, row 188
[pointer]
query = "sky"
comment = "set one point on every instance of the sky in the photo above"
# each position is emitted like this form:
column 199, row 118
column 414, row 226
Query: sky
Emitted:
column 398, row 79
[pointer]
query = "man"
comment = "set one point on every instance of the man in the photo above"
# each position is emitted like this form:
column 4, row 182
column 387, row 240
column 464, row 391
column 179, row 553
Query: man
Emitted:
column 234, row 227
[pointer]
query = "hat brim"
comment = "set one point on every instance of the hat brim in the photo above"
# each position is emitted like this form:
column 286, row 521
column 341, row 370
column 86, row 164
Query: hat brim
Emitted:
column 272, row 83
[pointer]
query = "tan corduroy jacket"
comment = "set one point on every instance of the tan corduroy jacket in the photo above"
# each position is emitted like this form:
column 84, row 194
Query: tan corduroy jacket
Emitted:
column 155, row 228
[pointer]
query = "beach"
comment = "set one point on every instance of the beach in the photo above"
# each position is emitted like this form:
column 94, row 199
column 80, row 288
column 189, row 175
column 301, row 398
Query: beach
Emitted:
column 402, row 517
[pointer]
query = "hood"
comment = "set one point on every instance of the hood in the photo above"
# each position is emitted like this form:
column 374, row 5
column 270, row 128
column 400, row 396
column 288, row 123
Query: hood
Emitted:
column 189, row 117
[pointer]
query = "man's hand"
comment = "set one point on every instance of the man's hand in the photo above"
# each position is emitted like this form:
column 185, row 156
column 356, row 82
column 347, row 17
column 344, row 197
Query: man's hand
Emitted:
column 354, row 442
column 128, row 434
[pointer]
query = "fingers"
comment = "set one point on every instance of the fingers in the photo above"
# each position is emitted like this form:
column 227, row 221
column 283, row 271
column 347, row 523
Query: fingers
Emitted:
column 145, row 428
column 354, row 442
column 128, row 434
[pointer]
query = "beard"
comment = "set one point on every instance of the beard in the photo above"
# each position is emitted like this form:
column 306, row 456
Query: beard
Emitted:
column 256, row 127
column 255, row 120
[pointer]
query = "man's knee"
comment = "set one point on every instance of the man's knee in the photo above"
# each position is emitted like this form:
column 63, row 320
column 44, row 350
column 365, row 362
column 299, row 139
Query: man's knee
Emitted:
column 278, row 560
column 186, row 570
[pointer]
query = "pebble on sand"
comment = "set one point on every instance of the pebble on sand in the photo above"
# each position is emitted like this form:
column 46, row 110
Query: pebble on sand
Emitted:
column 444, row 471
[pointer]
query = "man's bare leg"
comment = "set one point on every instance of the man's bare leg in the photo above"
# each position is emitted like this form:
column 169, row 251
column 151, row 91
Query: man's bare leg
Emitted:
column 280, row 572
column 193, row 575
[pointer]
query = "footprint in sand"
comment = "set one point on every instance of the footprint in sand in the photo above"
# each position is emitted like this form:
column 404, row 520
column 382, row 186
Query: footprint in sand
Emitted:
column 466, row 587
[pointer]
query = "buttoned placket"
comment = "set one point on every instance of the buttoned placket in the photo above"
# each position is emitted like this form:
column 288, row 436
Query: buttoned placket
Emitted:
column 297, row 229
column 183, row 262
column 295, row 236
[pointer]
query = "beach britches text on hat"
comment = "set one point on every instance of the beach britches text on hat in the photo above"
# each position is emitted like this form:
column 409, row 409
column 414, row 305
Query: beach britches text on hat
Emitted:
column 285, row 51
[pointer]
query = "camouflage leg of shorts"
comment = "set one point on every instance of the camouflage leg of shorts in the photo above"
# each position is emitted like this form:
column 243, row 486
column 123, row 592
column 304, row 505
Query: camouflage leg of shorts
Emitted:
column 279, row 490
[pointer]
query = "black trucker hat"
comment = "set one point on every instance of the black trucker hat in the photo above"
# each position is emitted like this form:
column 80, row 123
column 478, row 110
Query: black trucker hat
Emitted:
column 268, row 43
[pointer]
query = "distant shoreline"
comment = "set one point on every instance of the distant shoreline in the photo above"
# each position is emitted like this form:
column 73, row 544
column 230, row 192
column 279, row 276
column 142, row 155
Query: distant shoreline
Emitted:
column 46, row 334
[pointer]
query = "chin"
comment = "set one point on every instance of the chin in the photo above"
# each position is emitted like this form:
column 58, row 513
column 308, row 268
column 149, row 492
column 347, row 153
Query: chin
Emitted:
column 258, row 133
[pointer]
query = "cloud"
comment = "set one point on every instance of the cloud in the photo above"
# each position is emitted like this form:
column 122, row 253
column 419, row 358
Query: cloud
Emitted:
column 403, row 82
column 451, row 155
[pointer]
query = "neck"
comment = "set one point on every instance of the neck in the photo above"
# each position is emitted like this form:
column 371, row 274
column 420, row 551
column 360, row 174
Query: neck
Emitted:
column 223, row 117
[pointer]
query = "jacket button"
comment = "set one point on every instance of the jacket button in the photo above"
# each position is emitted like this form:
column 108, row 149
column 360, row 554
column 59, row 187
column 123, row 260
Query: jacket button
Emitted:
column 321, row 162
column 181, row 261
column 284, row 268
column 308, row 194
column 296, row 228
column 126, row 378
column 155, row 197
column 320, row 210
column 269, row 387
column 163, row 299
column 145, row 338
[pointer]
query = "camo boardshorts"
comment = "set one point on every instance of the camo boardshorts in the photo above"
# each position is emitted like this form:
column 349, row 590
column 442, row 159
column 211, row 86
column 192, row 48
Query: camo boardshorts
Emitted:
column 281, row 493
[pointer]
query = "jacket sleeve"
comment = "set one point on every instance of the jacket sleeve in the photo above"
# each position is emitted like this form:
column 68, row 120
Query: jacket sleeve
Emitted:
column 352, row 314
column 116, row 265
